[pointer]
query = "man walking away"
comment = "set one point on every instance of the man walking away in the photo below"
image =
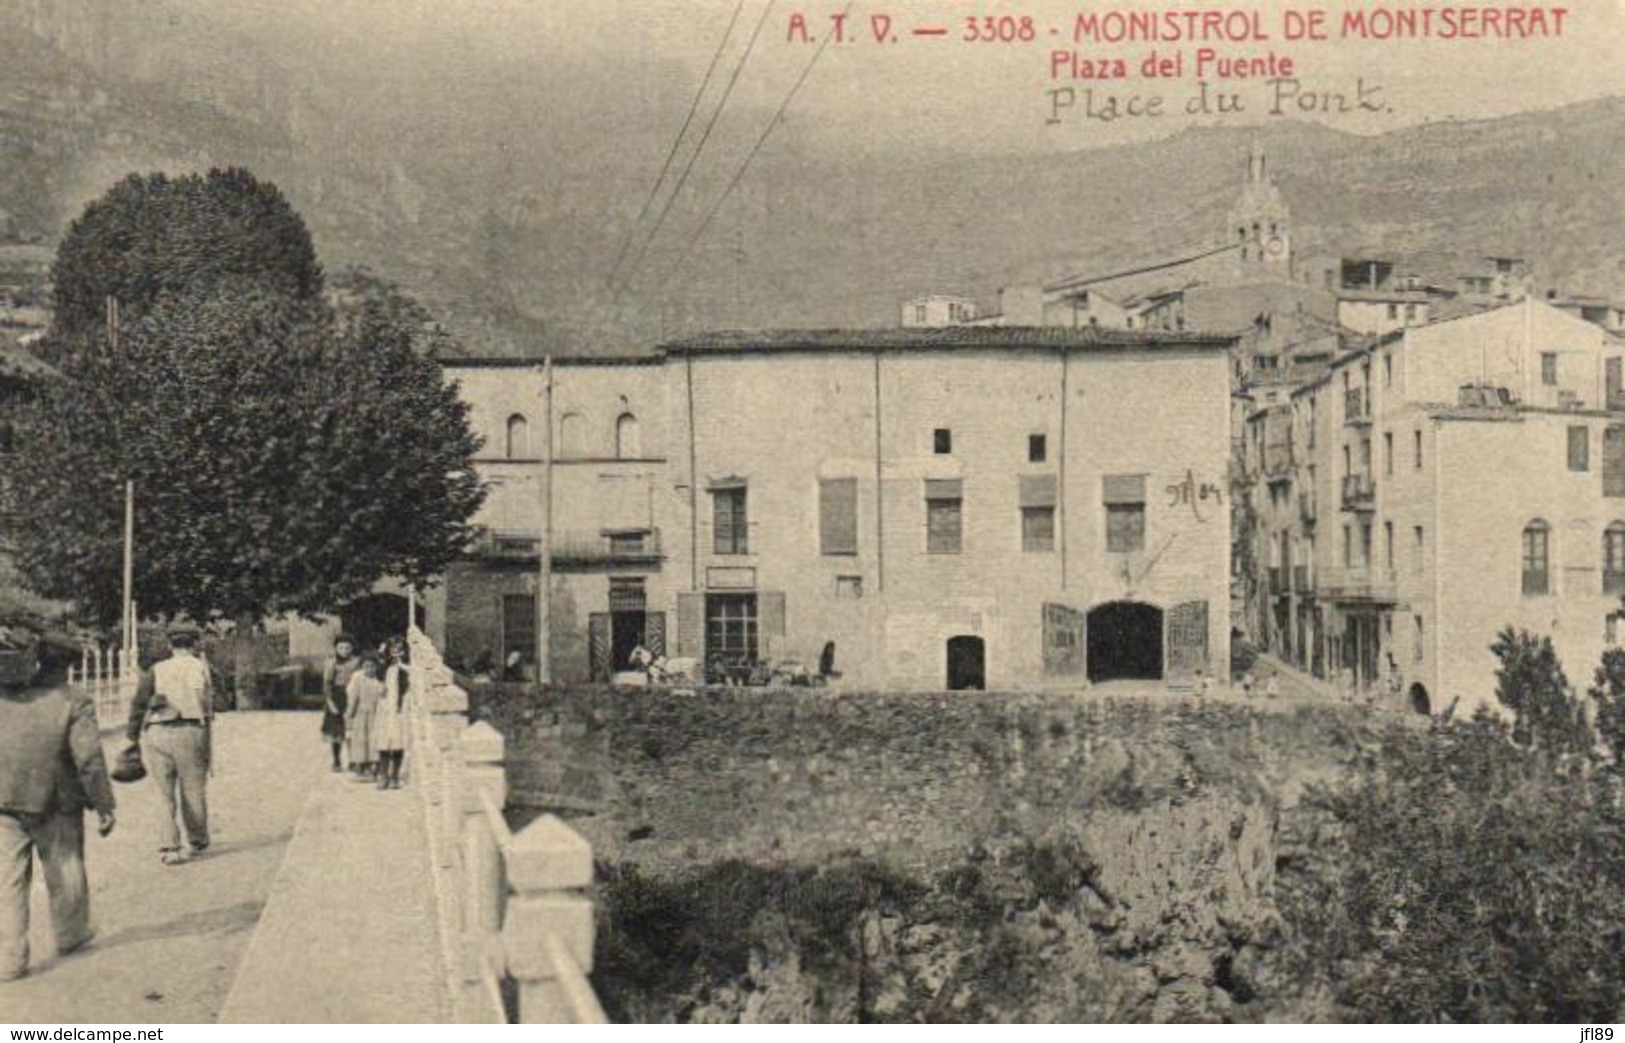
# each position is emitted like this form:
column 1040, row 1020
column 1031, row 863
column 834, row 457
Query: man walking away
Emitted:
column 172, row 716
column 51, row 769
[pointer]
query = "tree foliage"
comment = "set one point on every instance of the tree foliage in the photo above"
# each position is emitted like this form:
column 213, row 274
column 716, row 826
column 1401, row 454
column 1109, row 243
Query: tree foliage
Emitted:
column 153, row 236
column 285, row 456
column 1468, row 881
column 1530, row 682
column 1608, row 692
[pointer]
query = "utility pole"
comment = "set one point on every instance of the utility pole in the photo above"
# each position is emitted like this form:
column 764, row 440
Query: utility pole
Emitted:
column 127, row 605
column 129, row 572
column 544, row 544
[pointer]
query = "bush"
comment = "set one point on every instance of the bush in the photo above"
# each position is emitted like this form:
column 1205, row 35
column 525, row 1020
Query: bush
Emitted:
column 1530, row 682
column 1471, row 881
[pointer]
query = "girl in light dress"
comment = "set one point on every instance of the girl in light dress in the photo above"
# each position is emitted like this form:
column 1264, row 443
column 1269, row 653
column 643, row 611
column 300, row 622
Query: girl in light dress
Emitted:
column 390, row 725
column 363, row 693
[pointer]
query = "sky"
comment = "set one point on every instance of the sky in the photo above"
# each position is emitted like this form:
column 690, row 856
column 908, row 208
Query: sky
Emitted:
column 943, row 92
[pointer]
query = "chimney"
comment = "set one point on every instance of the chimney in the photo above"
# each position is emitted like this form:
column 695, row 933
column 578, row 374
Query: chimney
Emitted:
column 1021, row 306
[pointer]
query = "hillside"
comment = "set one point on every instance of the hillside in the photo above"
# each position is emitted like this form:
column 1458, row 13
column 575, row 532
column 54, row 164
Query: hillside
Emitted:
column 501, row 198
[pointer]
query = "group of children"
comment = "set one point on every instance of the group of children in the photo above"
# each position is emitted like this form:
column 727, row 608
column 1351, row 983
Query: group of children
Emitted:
column 366, row 702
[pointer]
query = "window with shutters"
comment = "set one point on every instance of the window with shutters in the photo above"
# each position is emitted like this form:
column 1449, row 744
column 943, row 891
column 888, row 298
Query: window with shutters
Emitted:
column 1613, row 558
column 1125, row 512
column 943, row 526
column 944, row 510
column 1613, row 461
column 838, row 516
column 1037, row 528
column 1614, row 376
column 1537, row 556
column 729, row 527
column 1038, row 497
column 1579, row 448
column 1548, row 368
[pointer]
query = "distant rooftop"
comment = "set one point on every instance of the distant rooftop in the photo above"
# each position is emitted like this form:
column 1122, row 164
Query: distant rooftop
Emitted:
column 958, row 336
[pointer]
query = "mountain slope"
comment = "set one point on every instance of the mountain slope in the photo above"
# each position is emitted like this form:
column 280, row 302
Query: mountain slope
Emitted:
column 502, row 196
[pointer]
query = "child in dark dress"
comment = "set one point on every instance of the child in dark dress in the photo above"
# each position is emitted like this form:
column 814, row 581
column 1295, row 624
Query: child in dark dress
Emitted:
column 335, row 680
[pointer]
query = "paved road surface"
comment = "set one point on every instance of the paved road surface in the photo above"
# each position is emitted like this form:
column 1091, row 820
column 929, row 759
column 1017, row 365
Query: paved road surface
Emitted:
column 170, row 938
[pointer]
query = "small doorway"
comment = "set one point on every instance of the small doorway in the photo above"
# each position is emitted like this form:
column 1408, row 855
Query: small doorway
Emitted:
column 626, row 635
column 614, row 635
column 627, row 619
column 967, row 664
column 1125, row 642
column 1420, row 703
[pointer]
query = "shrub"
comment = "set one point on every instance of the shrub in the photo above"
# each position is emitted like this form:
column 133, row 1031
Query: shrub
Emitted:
column 1530, row 682
column 1472, row 882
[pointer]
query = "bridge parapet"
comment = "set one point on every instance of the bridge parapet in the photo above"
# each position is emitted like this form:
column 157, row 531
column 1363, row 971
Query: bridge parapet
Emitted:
column 516, row 926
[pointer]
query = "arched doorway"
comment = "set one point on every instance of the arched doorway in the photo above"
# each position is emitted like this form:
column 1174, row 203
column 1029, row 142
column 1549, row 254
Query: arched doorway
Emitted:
column 376, row 618
column 1125, row 641
column 1420, row 702
column 967, row 663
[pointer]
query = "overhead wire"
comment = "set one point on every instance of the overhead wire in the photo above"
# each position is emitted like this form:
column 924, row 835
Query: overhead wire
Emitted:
column 676, row 145
column 705, row 136
column 772, row 124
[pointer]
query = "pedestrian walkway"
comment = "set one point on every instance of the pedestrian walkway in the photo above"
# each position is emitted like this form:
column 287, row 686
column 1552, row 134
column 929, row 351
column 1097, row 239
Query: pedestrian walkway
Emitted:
column 348, row 935
column 170, row 939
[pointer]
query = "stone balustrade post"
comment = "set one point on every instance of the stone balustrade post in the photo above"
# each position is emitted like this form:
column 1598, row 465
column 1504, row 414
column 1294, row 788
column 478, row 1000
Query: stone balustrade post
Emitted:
column 482, row 835
column 547, row 931
column 447, row 708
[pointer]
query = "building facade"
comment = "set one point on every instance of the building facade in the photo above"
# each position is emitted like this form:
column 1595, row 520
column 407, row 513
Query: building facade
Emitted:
column 1443, row 483
column 966, row 507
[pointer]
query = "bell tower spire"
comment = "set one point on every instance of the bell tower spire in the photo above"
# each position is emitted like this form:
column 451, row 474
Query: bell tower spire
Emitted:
column 1262, row 221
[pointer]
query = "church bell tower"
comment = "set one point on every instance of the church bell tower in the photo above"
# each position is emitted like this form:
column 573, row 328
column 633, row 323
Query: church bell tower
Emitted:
column 1261, row 223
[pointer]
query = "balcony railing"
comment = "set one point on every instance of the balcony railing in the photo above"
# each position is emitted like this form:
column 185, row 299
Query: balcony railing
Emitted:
column 612, row 547
column 1367, row 583
column 1356, row 407
column 1359, row 492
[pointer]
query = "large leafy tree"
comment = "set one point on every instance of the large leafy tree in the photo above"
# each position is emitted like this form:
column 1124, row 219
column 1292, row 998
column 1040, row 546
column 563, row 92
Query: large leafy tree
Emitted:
column 152, row 236
column 286, row 454
column 282, row 463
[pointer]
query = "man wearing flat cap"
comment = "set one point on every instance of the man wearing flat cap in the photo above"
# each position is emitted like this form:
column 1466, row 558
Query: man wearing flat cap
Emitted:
column 51, row 770
column 171, row 717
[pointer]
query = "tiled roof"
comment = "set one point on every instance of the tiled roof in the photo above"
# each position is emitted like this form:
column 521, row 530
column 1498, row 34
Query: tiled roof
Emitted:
column 924, row 338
